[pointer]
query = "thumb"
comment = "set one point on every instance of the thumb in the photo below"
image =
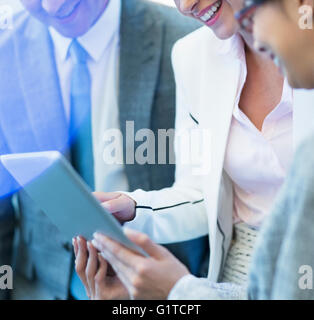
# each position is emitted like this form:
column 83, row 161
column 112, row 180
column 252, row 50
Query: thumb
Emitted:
column 122, row 207
column 142, row 240
column 106, row 196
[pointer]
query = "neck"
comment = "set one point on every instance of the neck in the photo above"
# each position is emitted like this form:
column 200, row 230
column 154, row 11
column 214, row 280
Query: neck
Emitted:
column 248, row 39
column 256, row 60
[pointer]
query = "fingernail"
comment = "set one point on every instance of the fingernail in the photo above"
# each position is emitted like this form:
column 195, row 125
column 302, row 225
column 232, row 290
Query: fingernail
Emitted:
column 106, row 205
column 97, row 245
column 100, row 236
column 129, row 231
column 101, row 258
column 73, row 241
column 96, row 235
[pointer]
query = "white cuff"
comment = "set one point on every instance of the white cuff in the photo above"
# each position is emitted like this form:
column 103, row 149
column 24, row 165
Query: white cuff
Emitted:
column 193, row 288
column 178, row 292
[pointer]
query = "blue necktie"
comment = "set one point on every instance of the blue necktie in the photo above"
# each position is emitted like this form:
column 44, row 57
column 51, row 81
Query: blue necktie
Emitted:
column 81, row 133
column 80, row 119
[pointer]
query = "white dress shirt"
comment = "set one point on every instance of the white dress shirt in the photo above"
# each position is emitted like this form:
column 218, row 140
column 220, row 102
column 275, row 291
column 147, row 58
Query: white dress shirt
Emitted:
column 102, row 44
column 257, row 161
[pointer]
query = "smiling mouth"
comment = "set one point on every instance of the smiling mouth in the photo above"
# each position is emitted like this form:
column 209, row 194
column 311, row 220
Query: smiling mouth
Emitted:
column 66, row 14
column 210, row 12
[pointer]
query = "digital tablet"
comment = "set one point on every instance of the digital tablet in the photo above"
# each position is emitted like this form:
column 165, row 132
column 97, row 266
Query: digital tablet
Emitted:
column 49, row 179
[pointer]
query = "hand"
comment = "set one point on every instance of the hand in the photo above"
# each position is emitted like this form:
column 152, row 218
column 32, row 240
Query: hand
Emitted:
column 120, row 205
column 100, row 282
column 144, row 278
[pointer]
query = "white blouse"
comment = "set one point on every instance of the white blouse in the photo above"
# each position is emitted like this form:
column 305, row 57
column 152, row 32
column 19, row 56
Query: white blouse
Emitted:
column 257, row 161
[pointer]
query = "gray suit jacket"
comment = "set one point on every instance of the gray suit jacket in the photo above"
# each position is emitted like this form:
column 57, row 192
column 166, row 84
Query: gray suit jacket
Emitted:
column 29, row 84
column 283, row 264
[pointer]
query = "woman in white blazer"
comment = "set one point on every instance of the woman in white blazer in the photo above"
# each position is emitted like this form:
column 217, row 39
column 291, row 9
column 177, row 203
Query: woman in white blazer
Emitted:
column 225, row 89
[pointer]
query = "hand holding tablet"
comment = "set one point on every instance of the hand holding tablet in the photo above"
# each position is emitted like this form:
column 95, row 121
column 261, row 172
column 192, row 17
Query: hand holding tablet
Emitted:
column 49, row 179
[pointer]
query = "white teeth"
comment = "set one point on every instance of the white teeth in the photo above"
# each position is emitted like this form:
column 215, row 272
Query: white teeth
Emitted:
column 211, row 12
column 206, row 17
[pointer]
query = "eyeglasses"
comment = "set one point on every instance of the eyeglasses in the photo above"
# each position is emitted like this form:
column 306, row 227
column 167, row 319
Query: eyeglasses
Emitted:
column 246, row 15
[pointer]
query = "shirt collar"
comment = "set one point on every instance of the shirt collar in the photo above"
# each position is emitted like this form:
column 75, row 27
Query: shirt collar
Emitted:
column 286, row 104
column 284, row 107
column 96, row 40
column 235, row 46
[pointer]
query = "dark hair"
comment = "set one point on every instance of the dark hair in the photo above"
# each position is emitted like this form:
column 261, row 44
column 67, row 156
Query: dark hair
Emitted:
column 259, row 2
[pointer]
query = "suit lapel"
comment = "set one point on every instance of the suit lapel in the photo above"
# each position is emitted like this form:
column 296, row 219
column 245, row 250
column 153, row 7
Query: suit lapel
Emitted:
column 140, row 54
column 42, row 101
column 217, row 115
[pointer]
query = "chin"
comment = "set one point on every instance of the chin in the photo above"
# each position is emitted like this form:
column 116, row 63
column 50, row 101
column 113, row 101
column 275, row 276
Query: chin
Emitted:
column 309, row 82
column 300, row 83
column 71, row 32
column 293, row 83
column 223, row 33
column 224, row 30
column 308, row 85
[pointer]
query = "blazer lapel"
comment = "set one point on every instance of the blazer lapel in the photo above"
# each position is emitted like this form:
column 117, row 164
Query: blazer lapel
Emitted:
column 42, row 105
column 217, row 115
column 140, row 55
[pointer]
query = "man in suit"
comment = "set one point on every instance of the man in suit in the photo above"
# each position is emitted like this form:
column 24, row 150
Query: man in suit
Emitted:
column 114, row 55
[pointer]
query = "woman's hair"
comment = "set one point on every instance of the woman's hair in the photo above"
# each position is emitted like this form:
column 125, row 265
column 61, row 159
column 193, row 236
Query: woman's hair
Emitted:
column 260, row 2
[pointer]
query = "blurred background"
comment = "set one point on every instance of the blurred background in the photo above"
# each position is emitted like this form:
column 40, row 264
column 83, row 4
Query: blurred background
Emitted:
column 16, row 3
column 167, row 2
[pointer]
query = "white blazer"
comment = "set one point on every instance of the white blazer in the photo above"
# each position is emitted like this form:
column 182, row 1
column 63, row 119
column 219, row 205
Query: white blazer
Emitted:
column 208, row 73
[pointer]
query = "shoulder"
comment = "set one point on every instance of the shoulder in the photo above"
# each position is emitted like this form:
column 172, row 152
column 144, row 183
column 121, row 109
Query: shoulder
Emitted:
column 194, row 41
column 200, row 42
column 19, row 22
column 201, row 49
column 24, row 27
column 188, row 53
column 8, row 38
column 17, row 44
